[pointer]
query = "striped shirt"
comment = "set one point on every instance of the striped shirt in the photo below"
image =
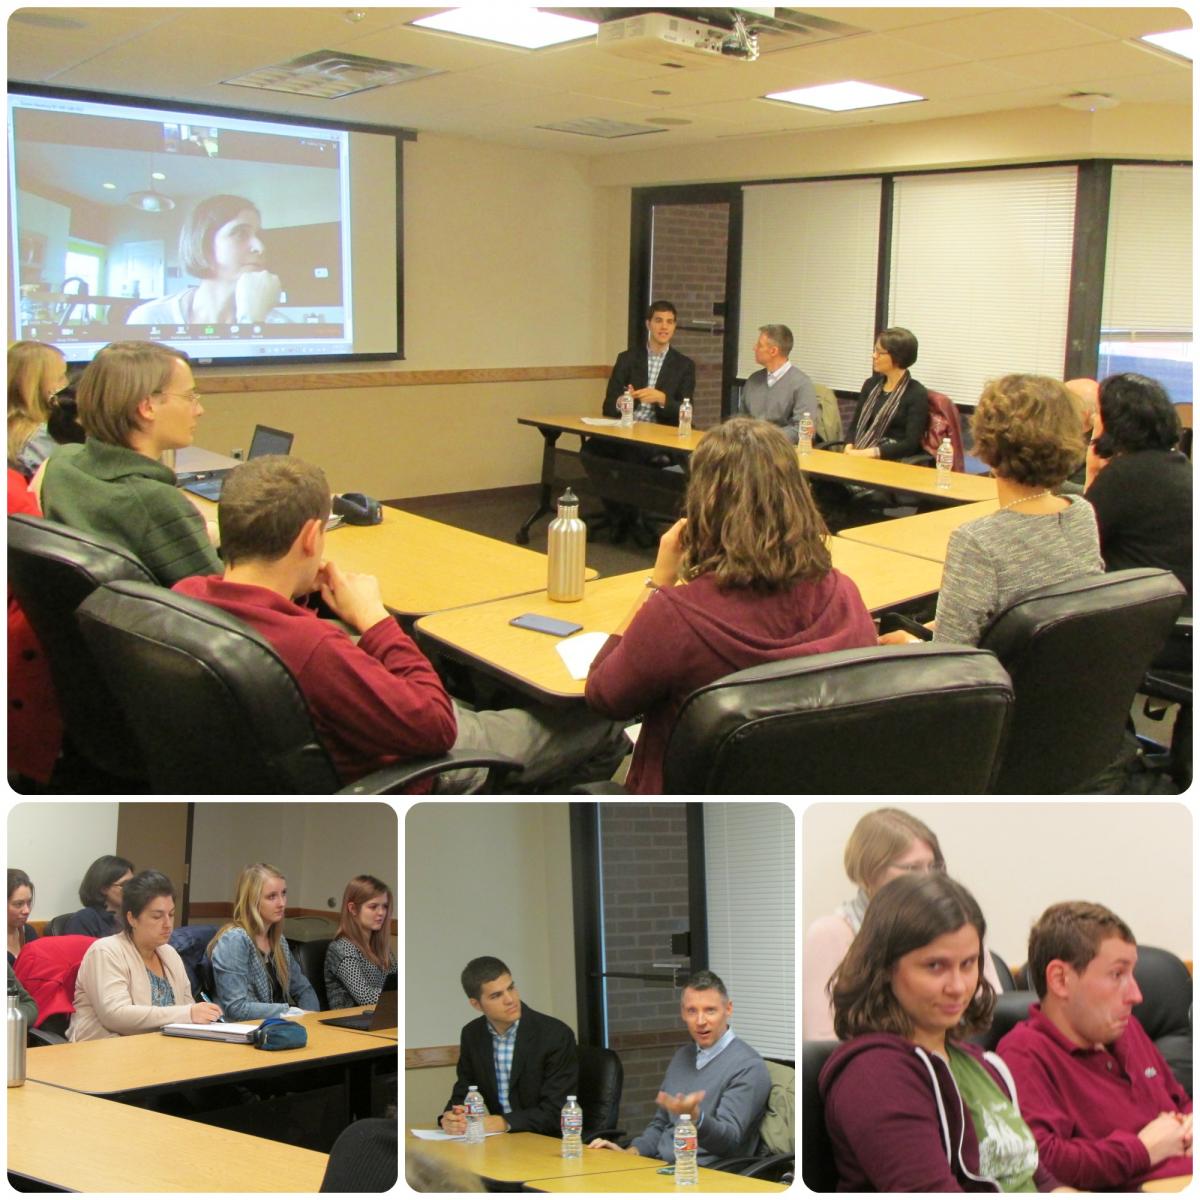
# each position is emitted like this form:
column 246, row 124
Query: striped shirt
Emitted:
column 503, row 1045
column 646, row 411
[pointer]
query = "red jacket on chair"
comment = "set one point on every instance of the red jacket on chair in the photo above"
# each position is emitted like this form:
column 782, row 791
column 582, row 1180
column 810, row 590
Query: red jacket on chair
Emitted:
column 944, row 422
column 47, row 969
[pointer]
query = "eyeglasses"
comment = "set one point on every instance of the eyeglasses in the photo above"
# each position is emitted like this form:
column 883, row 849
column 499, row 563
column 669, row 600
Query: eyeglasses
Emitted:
column 193, row 397
column 915, row 868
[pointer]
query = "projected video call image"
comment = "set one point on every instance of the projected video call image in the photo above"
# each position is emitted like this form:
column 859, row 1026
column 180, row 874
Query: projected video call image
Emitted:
column 228, row 239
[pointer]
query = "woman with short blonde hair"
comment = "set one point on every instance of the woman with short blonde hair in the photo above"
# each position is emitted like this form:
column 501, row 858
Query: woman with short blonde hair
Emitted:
column 254, row 972
column 37, row 372
column 744, row 578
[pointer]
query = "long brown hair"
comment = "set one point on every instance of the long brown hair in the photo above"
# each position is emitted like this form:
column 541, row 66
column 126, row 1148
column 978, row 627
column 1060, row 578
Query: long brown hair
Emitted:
column 30, row 368
column 247, row 894
column 358, row 891
column 751, row 519
column 903, row 916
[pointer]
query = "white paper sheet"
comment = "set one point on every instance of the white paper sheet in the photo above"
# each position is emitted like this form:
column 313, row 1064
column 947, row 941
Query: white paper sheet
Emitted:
column 439, row 1135
column 601, row 420
column 578, row 651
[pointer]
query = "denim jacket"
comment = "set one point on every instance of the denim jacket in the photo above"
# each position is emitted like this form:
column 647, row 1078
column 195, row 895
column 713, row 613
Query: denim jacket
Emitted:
column 243, row 986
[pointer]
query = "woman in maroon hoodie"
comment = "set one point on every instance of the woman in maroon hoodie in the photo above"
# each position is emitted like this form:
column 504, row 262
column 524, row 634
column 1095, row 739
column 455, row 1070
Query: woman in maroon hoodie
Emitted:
column 744, row 578
column 909, row 1107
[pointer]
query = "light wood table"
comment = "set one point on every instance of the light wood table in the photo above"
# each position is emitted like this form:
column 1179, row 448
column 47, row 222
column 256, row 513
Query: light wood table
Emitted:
column 520, row 1157
column 84, row 1144
column 482, row 637
column 425, row 566
column 649, row 1180
column 897, row 476
column 1169, row 1183
column 925, row 535
column 149, row 1063
column 642, row 433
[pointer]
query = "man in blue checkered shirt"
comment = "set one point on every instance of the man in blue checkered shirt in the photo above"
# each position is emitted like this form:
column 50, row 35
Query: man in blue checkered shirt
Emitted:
column 523, row 1062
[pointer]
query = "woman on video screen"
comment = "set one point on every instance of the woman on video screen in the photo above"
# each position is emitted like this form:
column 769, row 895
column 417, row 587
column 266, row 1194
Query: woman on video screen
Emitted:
column 219, row 244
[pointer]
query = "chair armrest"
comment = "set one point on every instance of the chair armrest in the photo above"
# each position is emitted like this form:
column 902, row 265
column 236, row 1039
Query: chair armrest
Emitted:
column 399, row 776
column 604, row 787
column 830, row 445
column 891, row 621
column 756, row 1166
column 42, row 1037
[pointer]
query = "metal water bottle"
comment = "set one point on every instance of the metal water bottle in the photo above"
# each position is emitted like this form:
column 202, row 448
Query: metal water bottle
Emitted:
column 16, row 1041
column 566, row 547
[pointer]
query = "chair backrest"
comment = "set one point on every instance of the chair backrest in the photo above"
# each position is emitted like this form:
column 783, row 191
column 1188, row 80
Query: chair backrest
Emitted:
column 215, row 709
column 777, row 1133
column 601, row 1081
column 51, row 569
column 311, row 957
column 1011, row 1009
column 828, row 415
column 1076, row 652
column 803, row 725
column 817, row 1165
column 1004, row 972
column 1166, row 987
column 945, row 421
column 57, row 925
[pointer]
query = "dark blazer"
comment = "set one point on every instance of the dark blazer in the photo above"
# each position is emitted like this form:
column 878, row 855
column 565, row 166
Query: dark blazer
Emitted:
column 545, row 1071
column 677, row 379
column 902, row 437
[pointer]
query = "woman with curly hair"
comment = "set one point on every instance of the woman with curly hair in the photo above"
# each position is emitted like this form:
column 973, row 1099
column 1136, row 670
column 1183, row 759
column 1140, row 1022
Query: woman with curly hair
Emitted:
column 744, row 578
column 1027, row 430
column 909, row 1106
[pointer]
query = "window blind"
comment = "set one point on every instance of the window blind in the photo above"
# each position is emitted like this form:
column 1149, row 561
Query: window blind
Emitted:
column 1148, row 265
column 750, row 862
column 981, row 273
column 809, row 261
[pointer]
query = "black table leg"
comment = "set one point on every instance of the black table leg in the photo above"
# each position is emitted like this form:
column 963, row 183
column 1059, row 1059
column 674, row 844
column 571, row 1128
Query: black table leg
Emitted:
column 549, row 438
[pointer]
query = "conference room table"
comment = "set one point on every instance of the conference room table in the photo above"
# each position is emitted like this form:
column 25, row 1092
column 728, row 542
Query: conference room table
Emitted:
column 1169, row 1183
column 536, row 1160
column 145, row 1065
column 925, row 535
column 481, row 636
column 68, row 1140
column 424, row 566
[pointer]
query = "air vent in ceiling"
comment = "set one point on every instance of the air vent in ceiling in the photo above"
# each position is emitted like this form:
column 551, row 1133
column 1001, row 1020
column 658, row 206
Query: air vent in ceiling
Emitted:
column 329, row 74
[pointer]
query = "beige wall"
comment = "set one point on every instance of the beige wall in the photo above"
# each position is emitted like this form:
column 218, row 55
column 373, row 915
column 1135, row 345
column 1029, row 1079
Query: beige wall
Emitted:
column 482, row 879
column 1017, row 859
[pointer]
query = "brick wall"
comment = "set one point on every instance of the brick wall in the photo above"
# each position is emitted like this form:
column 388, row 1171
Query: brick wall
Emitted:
column 644, row 873
column 688, row 268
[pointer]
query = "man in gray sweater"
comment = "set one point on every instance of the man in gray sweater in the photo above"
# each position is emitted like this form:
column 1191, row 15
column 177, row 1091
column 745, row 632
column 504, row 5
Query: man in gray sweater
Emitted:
column 720, row 1081
column 780, row 392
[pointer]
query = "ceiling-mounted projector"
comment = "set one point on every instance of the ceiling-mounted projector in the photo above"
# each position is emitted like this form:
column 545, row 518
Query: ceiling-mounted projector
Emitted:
column 664, row 39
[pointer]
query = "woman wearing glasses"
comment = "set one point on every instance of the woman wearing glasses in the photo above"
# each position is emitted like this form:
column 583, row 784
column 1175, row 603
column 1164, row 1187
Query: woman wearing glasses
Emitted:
column 136, row 401
column 893, row 408
column 885, row 844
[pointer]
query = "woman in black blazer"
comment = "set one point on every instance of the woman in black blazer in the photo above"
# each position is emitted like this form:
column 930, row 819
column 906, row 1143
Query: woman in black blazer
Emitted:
column 893, row 408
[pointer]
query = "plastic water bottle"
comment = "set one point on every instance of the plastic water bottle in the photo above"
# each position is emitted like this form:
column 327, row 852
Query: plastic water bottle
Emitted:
column 945, row 463
column 474, row 1106
column 685, row 418
column 572, row 1129
column 16, row 1041
column 806, row 432
column 566, row 551
column 625, row 408
column 685, row 1152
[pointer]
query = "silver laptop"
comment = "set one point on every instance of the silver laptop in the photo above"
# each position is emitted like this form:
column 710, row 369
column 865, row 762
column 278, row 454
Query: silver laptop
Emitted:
column 265, row 441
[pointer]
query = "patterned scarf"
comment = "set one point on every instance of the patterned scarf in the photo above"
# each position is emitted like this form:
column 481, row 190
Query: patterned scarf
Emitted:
column 853, row 911
column 877, row 413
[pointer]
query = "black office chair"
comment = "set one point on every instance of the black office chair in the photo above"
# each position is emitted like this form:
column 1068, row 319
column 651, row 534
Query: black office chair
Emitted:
column 214, row 707
column 51, row 568
column 1076, row 652
column 1166, row 1008
column 820, row 724
column 1007, row 982
column 57, row 925
column 311, row 957
column 601, row 1081
column 1011, row 1009
column 1168, row 682
column 818, row 1167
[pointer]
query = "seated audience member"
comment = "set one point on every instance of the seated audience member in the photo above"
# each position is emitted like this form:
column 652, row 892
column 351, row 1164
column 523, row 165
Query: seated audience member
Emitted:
column 25, row 1002
column 1106, row 1110
column 717, row 1079
column 523, row 1063
column 63, row 422
column 884, row 845
column 378, row 701
column 780, row 392
column 254, row 972
column 759, row 586
column 1084, row 393
column 1138, row 482
column 136, row 400
column 1027, row 430
column 360, row 956
column 134, row 981
column 20, row 905
column 36, row 373
column 893, row 408
column 909, row 1105
column 100, row 893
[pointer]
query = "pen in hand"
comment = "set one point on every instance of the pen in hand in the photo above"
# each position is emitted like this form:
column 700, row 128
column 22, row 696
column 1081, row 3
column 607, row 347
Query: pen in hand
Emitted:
column 205, row 998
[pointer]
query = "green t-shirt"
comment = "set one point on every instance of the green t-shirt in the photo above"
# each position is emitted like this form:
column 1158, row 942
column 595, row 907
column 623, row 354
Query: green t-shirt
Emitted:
column 1008, row 1152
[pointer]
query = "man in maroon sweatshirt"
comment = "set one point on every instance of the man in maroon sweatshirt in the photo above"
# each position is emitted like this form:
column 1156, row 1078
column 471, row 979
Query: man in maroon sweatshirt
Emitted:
column 380, row 700
column 1106, row 1110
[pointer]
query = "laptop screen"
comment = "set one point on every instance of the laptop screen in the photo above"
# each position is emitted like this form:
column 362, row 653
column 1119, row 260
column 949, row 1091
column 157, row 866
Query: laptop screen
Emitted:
column 269, row 441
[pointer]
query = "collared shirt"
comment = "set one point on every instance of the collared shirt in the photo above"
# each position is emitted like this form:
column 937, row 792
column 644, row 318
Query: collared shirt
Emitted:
column 503, row 1045
column 773, row 377
column 646, row 411
column 705, row 1054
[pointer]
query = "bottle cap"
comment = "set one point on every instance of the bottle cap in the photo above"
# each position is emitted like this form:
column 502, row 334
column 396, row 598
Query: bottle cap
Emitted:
column 570, row 1098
